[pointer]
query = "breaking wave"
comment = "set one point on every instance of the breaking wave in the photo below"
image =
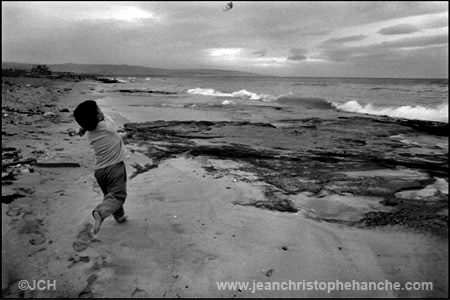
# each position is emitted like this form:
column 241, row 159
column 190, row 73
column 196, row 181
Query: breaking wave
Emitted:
column 243, row 94
column 439, row 113
column 436, row 113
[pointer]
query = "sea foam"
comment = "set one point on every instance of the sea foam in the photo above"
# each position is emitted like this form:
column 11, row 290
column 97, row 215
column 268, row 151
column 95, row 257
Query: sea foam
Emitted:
column 438, row 113
column 243, row 94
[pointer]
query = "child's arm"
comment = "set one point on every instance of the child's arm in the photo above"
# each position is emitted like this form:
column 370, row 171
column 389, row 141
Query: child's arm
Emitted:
column 81, row 131
column 123, row 134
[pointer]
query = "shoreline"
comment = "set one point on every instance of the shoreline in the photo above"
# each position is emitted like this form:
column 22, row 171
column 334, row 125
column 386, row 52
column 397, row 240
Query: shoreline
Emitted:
column 190, row 225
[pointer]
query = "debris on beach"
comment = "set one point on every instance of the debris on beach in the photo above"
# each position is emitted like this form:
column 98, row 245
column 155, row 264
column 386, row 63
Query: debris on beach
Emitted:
column 7, row 199
column 18, row 163
column 7, row 177
column 11, row 153
column 72, row 132
column 6, row 108
column 13, row 164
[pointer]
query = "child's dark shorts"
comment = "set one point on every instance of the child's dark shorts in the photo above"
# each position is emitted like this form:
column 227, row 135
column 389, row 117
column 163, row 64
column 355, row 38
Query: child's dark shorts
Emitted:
column 113, row 182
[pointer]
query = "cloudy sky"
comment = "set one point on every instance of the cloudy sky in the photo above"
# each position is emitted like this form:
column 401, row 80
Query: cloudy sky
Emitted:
column 355, row 39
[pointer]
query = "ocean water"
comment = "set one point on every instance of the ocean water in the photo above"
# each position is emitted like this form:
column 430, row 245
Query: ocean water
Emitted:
column 422, row 99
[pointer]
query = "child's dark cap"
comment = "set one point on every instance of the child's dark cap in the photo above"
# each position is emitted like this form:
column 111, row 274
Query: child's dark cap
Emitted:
column 86, row 115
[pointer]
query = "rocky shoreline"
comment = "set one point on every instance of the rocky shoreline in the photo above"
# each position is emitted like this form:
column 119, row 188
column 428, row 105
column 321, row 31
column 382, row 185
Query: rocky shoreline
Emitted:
column 288, row 165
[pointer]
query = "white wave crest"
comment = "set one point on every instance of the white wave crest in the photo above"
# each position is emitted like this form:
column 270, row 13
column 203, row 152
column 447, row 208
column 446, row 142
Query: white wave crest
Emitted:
column 243, row 94
column 439, row 113
column 228, row 102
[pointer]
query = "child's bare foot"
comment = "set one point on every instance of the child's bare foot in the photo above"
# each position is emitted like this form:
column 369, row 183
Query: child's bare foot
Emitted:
column 121, row 219
column 97, row 222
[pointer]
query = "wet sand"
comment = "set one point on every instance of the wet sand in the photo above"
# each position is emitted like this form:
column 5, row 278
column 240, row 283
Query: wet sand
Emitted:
column 269, row 200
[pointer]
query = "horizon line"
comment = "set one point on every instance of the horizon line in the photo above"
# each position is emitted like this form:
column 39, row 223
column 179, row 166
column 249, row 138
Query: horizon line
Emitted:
column 213, row 69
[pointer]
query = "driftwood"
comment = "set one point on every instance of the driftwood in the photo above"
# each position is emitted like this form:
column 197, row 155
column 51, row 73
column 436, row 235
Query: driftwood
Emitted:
column 27, row 112
column 56, row 165
column 15, row 110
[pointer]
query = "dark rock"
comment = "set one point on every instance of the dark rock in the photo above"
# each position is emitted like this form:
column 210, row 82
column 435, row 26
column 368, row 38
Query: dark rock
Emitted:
column 140, row 169
column 145, row 91
column 108, row 80
column 389, row 202
column 272, row 204
column 430, row 127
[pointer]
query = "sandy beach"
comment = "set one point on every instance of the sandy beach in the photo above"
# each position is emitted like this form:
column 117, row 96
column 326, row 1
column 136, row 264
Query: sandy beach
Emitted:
column 219, row 195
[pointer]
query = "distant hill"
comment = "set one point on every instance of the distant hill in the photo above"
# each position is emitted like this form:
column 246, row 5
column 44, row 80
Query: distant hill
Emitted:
column 127, row 70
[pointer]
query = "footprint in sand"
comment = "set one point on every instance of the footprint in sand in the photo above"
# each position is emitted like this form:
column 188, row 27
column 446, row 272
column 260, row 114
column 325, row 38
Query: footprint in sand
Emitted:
column 15, row 210
column 78, row 259
column 209, row 257
column 87, row 291
column 138, row 293
column 84, row 238
column 37, row 239
column 31, row 226
column 99, row 263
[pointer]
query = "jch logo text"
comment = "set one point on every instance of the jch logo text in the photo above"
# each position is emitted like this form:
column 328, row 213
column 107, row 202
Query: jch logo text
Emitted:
column 40, row 285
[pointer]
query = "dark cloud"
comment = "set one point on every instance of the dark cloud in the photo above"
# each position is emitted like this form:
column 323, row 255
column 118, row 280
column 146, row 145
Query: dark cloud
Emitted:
column 297, row 57
column 421, row 41
column 398, row 29
column 337, row 54
column 438, row 22
column 316, row 32
column 431, row 62
column 342, row 40
column 417, row 63
column 343, row 53
column 376, row 11
column 297, row 54
column 261, row 53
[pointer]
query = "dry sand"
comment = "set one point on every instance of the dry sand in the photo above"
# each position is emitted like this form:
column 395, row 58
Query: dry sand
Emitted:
column 184, row 232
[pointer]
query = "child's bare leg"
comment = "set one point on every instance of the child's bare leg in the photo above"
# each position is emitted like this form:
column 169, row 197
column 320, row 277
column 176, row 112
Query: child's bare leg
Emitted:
column 119, row 215
column 111, row 205
column 121, row 219
column 112, row 180
column 98, row 220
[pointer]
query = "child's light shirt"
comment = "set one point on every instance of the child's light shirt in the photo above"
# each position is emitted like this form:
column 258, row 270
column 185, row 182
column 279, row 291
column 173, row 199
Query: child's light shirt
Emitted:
column 107, row 144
